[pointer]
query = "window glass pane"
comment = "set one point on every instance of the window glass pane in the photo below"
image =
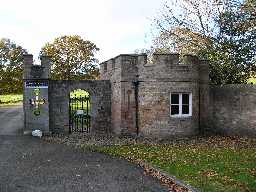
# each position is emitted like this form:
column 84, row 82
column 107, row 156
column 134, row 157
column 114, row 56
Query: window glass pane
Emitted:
column 175, row 99
column 185, row 98
column 185, row 109
column 174, row 109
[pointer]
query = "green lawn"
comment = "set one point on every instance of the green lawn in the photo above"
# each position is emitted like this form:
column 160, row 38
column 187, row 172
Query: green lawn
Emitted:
column 213, row 164
column 10, row 99
column 77, row 103
column 252, row 80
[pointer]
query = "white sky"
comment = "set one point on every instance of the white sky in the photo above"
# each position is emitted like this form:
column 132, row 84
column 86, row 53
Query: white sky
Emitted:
column 115, row 26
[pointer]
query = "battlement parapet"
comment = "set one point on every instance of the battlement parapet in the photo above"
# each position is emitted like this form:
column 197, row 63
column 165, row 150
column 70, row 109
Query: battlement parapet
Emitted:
column 120, row 68
column 170, row 67
column 32, row 71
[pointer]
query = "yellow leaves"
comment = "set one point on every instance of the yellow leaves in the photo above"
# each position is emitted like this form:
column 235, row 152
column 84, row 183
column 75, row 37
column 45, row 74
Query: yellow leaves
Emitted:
column 252, row 171
column 71, row 57
column 209, row 173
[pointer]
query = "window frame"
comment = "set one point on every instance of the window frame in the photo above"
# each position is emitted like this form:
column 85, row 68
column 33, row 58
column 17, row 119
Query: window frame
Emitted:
column 181, row 104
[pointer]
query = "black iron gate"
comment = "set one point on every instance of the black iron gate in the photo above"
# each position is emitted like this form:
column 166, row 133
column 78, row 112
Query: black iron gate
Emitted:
column 79, row 114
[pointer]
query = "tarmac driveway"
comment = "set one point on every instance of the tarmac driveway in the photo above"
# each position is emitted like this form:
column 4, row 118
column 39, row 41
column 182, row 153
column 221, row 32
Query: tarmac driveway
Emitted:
column 11, row 120
column 31, row 165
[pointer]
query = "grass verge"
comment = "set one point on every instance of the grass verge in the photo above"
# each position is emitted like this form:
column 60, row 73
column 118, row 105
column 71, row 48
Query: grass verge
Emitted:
column 213, row 164
column 10, row 99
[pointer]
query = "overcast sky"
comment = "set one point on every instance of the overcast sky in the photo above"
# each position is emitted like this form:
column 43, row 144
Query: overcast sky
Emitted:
column 115, row 26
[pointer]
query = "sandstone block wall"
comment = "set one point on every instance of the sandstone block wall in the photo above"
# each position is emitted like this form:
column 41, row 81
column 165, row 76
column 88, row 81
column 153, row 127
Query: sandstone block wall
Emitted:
column 204, row 97
column 168, row 67
column 100, row 95
column 154, row 109
column 121, row 71
column 233, row 109
column 168, row 74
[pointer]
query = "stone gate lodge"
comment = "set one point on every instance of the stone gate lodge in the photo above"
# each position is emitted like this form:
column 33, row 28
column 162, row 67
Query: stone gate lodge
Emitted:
column 167, row 98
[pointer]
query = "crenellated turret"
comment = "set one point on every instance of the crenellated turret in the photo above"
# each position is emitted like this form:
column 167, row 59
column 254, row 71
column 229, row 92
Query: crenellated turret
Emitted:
column 168, row 67
column 142, row 90
column 32, row 71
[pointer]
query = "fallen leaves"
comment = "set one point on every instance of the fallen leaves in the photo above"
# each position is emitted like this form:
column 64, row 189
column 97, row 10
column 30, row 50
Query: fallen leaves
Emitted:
column 252, row 171
column 202, row 161
column 209, row 173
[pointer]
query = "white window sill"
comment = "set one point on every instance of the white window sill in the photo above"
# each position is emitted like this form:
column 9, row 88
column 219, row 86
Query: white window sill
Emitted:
column 181, row 116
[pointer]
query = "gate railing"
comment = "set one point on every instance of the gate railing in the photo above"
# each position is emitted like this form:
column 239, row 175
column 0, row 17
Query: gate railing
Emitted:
column 79, row 114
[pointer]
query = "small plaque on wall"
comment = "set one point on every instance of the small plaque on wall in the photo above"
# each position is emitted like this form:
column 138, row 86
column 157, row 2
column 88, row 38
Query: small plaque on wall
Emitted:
column 79, row 112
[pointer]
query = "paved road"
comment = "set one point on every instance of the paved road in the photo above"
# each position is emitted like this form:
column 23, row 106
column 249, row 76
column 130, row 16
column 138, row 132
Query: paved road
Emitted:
column 11, row 120
column 29, row 164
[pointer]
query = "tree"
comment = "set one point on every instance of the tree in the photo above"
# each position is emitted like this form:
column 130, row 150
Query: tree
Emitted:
column 221, row 31
column 11, row 59
column 72, row 58
column 237, row 39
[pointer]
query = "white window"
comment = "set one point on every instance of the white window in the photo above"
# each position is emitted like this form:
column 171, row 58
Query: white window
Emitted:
column 181, row 104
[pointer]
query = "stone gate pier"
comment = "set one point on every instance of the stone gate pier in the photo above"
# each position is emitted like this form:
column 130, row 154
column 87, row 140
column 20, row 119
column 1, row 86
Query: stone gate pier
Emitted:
column 35, row 97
